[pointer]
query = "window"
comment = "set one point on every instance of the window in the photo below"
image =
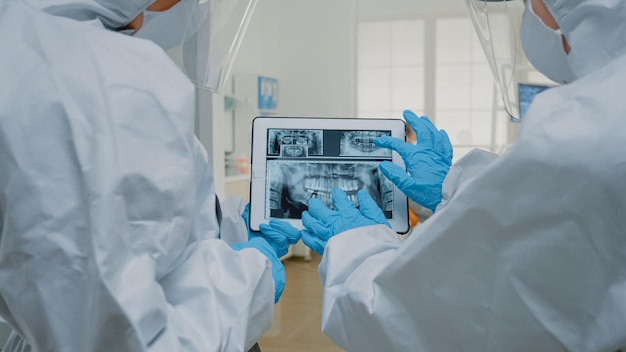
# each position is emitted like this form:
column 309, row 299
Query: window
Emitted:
column 464, row 89
column 392, row 61
column 390, row 68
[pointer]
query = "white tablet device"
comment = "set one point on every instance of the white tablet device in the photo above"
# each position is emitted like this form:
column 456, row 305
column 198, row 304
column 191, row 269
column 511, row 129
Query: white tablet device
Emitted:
column 296, row 159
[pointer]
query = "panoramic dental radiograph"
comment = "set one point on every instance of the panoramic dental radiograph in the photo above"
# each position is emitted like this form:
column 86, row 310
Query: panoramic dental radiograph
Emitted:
column 308, row 164
column 292, row 183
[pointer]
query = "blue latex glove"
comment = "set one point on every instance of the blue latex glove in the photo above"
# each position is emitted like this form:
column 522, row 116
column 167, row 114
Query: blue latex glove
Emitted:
column 278, row 270
column 279, row 234
column 322, row 223
column 427, row 162
column 246, row 220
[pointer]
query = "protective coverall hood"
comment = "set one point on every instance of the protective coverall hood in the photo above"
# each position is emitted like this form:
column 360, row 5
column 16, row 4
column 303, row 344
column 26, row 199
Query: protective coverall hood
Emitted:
column 593, row 28
column 112, row 13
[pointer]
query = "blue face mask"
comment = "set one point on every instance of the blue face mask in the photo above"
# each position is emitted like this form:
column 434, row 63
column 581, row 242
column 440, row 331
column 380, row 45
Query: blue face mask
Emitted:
column 543, row 47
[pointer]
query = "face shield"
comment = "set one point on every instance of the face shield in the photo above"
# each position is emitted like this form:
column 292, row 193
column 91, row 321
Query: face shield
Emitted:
column 212, row 41
column 497, row 24
column 203, row 36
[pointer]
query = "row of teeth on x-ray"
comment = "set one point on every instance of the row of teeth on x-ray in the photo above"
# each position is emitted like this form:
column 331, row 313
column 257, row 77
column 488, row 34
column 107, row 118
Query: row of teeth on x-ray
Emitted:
column 327, row 184
column 321, row 188
column 327, row 199
column 363, row 141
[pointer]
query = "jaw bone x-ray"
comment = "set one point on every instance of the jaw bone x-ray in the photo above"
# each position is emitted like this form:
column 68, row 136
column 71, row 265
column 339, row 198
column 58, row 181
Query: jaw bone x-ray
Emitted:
column 295, row 143
column 293, row 183
column 310, row 163
column 361, row 143
column 299, row 158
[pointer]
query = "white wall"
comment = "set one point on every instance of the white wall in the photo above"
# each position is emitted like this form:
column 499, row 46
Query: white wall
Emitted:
column 317, row 58
column 309, row 46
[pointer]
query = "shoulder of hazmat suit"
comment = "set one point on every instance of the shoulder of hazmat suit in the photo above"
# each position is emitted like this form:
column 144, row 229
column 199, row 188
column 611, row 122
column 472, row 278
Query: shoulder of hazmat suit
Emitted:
column 109, row 234
column 527, row 255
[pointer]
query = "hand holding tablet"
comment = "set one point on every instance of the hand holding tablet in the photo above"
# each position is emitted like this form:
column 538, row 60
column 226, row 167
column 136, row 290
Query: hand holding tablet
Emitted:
column 428, row 161
column 296, row 159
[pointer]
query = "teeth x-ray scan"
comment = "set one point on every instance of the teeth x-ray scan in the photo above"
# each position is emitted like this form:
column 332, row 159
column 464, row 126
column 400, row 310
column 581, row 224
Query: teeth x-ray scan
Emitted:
column 361, row 143
column 296, row 159
column 295, row 143
column 292, row 183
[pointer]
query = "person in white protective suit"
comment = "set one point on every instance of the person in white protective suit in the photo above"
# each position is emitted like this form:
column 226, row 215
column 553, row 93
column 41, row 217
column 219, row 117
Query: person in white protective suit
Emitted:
column 525, row 251
column 110, row 235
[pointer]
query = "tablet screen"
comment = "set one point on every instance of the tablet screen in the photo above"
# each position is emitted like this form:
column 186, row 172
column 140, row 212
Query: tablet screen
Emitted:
column 342, row 159
column 297, row 159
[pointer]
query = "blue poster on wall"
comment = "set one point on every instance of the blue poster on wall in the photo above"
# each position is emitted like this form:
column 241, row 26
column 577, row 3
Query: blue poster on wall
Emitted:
column 268, row 93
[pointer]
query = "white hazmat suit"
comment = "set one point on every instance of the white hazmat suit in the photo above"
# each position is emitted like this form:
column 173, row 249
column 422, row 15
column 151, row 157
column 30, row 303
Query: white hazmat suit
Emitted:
column 527, row 251
column 108, row 225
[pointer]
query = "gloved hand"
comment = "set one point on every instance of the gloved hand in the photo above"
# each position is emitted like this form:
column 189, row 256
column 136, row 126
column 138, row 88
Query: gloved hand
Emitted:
column 278, row 270
column 273, row 240
column 427, row 162
column 279, row 234
column 322, row 223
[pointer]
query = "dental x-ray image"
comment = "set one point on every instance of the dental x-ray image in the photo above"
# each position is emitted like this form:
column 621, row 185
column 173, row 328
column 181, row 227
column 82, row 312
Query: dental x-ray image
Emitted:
column 295, row 143
column 361, row 143
column 290, row 185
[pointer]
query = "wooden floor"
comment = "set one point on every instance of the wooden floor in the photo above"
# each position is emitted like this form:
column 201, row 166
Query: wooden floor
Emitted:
column 297, row 316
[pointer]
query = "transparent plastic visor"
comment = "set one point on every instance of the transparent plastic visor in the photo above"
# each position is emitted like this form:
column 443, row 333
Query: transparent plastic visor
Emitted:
column 497, row 25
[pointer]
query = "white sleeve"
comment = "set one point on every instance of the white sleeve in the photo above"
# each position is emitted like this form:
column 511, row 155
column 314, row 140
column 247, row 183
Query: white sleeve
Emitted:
column 219, row 299
column 468, row 167
column 511, row 263
column 233, row 228
column 461, row 172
